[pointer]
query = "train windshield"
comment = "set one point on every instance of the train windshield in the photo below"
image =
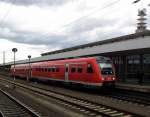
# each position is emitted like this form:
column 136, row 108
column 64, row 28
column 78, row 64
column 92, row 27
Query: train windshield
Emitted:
column 106, row 68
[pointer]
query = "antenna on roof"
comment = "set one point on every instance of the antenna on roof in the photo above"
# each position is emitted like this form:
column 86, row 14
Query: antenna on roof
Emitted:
column 141, row 25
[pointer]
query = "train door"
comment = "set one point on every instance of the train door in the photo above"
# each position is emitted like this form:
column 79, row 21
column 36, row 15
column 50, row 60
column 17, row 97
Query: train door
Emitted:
column 66, row 72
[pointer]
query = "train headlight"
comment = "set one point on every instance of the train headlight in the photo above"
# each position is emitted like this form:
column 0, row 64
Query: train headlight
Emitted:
column 113, row 78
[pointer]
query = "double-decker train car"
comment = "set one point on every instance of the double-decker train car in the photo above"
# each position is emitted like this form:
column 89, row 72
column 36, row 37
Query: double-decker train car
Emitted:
column 95, row 71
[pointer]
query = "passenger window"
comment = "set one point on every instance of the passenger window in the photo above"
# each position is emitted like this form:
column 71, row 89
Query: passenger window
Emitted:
column 45, row 69
column 42, row 69
column 79, row 69
column 49, row 69
column 89, row 68
column 53, row 69
column 73, row 69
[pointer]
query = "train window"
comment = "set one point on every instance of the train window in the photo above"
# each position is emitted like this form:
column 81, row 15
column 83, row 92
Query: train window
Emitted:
column 57, row 69
column 79, row 69
column 73, row 69
column 53, row 69
column 49, row 70
column 89, row 68
column 45, row 69
column 42, row 69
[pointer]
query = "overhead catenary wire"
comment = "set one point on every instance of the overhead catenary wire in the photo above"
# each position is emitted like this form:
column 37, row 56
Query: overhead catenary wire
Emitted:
column 7, row 12
column 78, row 19
column 74, row 41
column 136, row 1
column 93, row 12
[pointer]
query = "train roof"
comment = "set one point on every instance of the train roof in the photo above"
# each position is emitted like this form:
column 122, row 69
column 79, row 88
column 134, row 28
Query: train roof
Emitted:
column 69, row 60
column 97, row 58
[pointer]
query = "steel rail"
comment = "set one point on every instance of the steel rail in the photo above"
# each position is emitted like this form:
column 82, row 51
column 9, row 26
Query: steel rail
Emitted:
column 27, row 109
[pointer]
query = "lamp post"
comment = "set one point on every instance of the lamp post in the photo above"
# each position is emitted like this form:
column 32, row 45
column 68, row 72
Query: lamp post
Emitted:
column 14, row 50
column 29, row 73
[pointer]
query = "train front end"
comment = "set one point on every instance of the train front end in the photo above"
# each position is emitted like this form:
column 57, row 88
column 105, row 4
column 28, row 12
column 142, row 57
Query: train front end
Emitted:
column 107, row 71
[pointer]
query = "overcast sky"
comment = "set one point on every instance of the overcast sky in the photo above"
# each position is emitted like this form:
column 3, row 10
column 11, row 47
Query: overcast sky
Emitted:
column 37, row 26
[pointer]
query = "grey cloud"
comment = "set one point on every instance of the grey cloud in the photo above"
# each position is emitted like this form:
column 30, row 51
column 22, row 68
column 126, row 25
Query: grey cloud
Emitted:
column 33, row 38
column 36, row 2
column 76, row 36
column 39, row 39
column 10, row 32
column 51, row 40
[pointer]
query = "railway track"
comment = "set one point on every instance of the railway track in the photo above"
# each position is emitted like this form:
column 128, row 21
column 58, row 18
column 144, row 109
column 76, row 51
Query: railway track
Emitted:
column 126, row 96
column 122, row 95
column 11, row 107
column 83, row 106
column 134, row 97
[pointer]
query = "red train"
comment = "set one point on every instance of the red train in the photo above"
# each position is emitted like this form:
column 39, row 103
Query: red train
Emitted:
column 95, row 71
